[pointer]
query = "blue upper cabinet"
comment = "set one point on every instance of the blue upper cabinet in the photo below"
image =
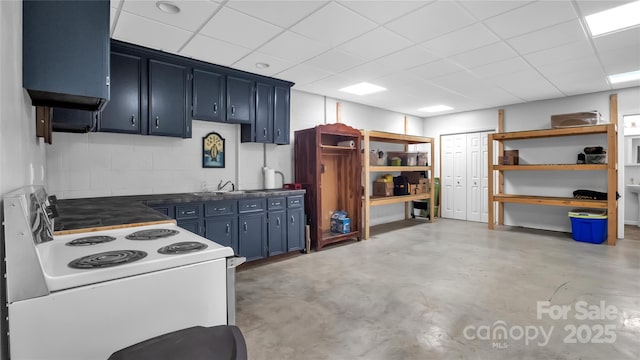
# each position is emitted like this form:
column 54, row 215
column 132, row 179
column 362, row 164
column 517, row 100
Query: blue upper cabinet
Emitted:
column 123, row 113
column 65, row 53
column 208, row 95
column 167, row 99
column 240, row 100
column 281, row 115
column 263, row 130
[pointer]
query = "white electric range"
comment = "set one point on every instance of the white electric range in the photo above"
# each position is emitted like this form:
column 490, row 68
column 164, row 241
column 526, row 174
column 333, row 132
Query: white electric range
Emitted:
column 85, row 296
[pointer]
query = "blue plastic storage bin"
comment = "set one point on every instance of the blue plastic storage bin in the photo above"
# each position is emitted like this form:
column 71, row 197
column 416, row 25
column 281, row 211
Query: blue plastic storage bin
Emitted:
column 589, row 225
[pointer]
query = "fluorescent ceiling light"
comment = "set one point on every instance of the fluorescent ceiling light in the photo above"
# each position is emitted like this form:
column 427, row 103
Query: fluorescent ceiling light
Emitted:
column 624, row 77
column 363, row 88
column 617, row 18
column 436, row 108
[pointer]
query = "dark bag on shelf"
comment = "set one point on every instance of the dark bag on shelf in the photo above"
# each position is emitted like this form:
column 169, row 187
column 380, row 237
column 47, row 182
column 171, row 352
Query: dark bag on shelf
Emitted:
column 400, row 185
column 589, row 194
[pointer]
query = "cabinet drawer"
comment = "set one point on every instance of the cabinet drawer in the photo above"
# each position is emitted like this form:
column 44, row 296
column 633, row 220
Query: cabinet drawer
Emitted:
column 295, row 201
column 220, row 208
column 276, row 203
column 251, row 205
column 188, row 211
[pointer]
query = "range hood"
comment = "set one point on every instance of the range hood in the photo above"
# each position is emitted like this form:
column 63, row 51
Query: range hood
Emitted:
column 65, row 53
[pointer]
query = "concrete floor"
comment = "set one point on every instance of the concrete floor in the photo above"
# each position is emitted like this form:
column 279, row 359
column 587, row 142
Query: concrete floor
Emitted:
column 411, row 293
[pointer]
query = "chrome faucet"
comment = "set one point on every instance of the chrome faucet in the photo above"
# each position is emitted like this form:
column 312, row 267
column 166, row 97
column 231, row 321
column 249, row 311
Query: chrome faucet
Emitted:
column 221, row 185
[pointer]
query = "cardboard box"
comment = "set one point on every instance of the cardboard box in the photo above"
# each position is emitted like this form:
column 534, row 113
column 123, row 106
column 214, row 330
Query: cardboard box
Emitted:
column 510, row 157
column 412, row 176
column 340, row 222
column 382, row 188
column 576, row 119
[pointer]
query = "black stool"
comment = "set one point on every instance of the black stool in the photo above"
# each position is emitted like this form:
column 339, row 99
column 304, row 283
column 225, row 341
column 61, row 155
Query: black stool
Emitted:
column 224, row 342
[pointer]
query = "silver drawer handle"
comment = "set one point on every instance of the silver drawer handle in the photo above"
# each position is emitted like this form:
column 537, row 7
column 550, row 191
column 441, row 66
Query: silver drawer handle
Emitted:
column 219, row 209
column 275, row 203
column 228, row 228
column 157, row 121
column 252, row 205
column 245, row 226
column 215, row 108
column 293, row 220
column 133, row 120
column 192, row 212
column 264, row 131
column 233, row 110
column 278, row 221
column 278, row 132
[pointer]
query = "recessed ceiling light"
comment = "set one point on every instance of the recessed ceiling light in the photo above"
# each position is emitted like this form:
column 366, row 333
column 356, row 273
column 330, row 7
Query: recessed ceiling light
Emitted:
column 624, row 77
column 436, row 108
column 616, row 18
column 168, row 7
column 363, row 88
column 262, row 65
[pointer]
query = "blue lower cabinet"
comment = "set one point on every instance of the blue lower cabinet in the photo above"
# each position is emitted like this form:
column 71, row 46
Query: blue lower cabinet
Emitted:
column 195, row 226
column 253, row 236
column 224, row 231
column 295, row 229
column 277, row 233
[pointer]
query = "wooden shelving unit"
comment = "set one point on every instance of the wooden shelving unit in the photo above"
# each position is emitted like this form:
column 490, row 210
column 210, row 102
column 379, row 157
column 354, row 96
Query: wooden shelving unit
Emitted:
column 611, row 204
column 369, row 200
column 331, row 175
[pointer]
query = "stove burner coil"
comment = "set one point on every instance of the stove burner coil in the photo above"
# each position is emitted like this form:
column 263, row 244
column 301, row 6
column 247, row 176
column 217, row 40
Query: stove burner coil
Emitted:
column 107, row 259
column 90, row 240
column 151, row 234
column 182, row 248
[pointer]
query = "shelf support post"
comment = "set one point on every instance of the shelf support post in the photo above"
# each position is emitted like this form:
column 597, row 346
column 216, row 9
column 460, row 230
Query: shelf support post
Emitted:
column 612, row 172
column 367, row 184
column 500, row 174
column 490, row 186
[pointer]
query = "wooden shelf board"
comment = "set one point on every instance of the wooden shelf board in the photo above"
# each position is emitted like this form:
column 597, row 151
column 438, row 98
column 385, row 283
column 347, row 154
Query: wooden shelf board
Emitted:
column 532, row 134
column 385, row 200
column 552, row 167
column 381, row 136
column 329, row 236
column 398, row 168
column 334, row 147
column 550, row 200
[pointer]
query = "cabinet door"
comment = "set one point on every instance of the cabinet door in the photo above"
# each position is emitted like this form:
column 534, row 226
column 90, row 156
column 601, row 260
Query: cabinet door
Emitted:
column 208, row 96
column 277, row 233
column 195, row 226
column 224, row 231
column 295, row 229
column 253, row 235
column 167, row 99
column 240, row 105
column 281, row 115
column 123, row 112
column 73, row 120
column 264, row 114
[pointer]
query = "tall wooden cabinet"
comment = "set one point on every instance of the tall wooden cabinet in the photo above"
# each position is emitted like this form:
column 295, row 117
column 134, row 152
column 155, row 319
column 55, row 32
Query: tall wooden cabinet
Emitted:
column 331, row 175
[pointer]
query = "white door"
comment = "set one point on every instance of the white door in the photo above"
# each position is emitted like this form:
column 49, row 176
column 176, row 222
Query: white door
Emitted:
column 446, row 206
column 460, row 177
column 474, row 176
column 484, row 206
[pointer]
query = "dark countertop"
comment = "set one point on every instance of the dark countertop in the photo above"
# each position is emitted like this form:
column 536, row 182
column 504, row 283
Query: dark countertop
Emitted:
column 102, row 213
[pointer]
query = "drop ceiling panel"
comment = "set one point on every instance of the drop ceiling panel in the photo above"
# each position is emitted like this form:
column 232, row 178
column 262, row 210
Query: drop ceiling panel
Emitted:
column 435, row 69
column 333, row 24
column 620, row 61
column 294, row 47
column 249, row 62
column 407, row 58
column 577, row 50
column 469, row 38
column 587, row 65
column 431, row 21
column 576, row 83
column 484, row 55
column 550, row 37
column 303, row 74
column 528, row 85
column 375, row 44
column 485, row 9
column 467, row 85
column 191, row 16
column 627, row 39
column 532, row 17
column 369, row 71
column 280, row 13
column 335, row 61
column 150, row 33
column 240, row 29
column 214, row 50
column 383, row 11
column 503, row 67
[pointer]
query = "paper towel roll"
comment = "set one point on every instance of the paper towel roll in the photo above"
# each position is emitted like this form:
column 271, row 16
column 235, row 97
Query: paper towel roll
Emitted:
column 348, row 143
column 269, row 178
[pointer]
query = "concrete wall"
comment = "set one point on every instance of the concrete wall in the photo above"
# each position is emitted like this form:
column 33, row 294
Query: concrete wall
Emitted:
column 536, row 115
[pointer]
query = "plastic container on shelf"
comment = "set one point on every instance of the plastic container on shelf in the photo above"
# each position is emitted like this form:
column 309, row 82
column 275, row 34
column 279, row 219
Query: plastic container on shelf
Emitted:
column 589, row 225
